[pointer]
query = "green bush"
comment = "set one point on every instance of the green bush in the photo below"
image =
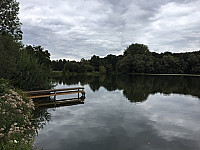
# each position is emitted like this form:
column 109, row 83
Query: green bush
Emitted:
column 16, row 129
column 22, row 69
column 31, row 75
column 3, row 87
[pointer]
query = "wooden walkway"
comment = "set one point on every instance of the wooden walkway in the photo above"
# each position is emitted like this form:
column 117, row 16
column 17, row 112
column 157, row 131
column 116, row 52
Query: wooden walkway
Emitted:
column 54, row 93
column 60, row 103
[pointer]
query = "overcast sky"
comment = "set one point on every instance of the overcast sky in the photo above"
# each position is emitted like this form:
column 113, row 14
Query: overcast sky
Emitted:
column 75, row 29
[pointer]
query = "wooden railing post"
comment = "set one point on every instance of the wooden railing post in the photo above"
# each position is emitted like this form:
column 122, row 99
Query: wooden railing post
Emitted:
column 55, row 96
column 78, row 93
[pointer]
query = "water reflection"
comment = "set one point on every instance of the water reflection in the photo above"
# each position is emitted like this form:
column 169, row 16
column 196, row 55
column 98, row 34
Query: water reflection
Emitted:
column 41, row 113
column 167, row 116
column 138, row 87
column 41, row 117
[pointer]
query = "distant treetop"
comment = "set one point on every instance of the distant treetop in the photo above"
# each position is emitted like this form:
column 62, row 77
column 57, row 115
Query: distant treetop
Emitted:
column 136, row 49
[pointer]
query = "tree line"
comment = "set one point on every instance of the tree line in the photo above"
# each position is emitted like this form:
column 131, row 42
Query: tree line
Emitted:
column 136, row 59
column 29, row 67
column 25, row 67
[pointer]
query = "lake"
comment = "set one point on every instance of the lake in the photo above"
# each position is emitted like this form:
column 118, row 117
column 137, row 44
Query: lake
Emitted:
column 124, row 112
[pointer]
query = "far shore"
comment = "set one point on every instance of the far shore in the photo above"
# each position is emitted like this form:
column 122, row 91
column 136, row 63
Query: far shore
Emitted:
column 167, row 74
column 59, row 74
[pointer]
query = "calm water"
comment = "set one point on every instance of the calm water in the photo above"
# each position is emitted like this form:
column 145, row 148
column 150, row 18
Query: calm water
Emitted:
column 125, row 113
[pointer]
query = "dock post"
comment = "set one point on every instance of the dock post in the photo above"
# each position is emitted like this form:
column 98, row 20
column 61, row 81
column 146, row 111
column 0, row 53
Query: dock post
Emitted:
column 83, row 94
column 78, row 93
column 55, row 96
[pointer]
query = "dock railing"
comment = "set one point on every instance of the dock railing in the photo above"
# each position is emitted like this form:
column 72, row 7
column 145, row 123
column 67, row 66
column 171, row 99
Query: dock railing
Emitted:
column 55, row 92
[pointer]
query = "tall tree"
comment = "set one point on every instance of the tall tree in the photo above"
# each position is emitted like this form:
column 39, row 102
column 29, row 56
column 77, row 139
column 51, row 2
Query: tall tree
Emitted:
column 137, row 49
column 9, row 55
column 95, row 62
column 9, row 21
column 43, row 56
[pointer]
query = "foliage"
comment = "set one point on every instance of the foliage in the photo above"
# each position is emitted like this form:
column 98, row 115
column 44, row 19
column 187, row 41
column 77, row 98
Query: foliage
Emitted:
column 9, row 50
column 102, row 70
column 95, row 62
column 124, row 65
column 9, row 21
column 20, row 67
column 137, row 49
column 3, row 87
column 136, row 59
column 37, row 52
column 31, row 75
column 27, row 68
column 16, row 130
column 88, row 68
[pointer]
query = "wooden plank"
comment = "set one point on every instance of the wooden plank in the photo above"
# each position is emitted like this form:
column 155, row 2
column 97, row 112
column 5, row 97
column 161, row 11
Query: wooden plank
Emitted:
column 61, row 103
column 53, row 90
column 55, row 94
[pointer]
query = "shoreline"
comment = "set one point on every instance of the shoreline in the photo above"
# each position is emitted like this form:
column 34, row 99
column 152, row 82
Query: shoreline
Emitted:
column 59, row 74
column 168, row 74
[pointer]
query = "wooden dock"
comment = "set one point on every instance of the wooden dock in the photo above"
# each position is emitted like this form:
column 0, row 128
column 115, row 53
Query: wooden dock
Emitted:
column 55, row 92
column 60, row 103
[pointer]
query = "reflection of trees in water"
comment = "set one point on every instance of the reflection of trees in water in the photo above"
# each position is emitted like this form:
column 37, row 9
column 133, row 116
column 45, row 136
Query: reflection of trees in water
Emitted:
column 41, row 117
column 137, row 87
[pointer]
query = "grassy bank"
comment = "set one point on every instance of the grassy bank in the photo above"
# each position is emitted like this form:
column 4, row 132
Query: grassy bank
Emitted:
column 16, row 130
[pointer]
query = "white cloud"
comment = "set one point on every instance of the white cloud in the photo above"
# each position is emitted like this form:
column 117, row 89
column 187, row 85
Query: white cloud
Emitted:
column 82, row 28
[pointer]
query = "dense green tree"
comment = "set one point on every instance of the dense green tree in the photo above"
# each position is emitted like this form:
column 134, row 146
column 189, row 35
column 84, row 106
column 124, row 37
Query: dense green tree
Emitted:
column 43, row 56
column 194, row 63
column 137, row 49
column 88, row 68
column 25, row 68
column 95, row 62
column 9, row 21
column 22, row 69
column 110, row 62
column 9, row 55
column 171, row 64
column 137, row 59
column 125, row 65
column 31, row 75
column 150, row 64
column 138, row 63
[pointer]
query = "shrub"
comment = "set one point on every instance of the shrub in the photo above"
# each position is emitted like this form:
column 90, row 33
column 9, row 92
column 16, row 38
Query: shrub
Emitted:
column 16, row 129
column 3, row 87
column 31, row 75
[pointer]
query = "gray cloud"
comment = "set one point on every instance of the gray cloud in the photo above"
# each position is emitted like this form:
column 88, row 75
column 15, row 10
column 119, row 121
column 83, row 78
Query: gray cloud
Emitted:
column 82, row 28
